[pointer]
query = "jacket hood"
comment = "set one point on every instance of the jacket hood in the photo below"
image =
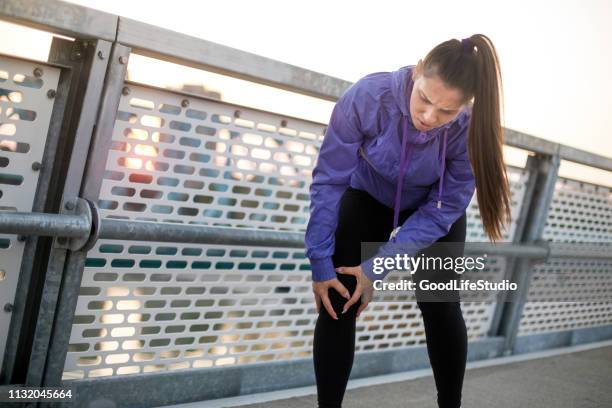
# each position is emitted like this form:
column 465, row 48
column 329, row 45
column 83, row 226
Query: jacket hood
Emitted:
column 401, row 84
column 400, row 80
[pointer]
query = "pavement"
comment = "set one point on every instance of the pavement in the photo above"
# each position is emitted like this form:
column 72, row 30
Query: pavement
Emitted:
column 577, row 377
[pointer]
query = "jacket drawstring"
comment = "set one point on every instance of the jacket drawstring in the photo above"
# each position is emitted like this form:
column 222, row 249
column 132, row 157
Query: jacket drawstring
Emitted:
column 402, row 169
column 442, row 168
column 403, row 164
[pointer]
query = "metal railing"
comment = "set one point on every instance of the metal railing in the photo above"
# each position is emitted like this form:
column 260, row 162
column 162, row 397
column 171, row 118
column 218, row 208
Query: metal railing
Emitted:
column 83, row 229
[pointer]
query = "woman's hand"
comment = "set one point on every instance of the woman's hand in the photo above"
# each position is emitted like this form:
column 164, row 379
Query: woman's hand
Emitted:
column 364, row 288
column 320, row 290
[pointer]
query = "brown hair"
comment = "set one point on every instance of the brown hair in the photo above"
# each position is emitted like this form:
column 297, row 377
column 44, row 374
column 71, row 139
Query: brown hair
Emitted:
column 473, row 68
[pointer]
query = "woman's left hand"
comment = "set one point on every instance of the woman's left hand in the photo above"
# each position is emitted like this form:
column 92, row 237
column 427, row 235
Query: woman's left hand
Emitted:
column 364, row 288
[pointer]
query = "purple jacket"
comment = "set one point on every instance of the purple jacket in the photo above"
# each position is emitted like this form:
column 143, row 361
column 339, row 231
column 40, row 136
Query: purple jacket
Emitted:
column 373, row 115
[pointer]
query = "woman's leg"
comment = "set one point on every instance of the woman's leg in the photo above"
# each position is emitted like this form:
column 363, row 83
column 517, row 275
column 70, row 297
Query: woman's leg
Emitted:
column 334, row 340
column 334, row 348
column 445, row 328
column 447, row 349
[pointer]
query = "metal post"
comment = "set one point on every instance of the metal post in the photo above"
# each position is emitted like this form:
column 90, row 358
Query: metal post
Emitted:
column 546, row 167
column 89, row 188
column 88, row 72
column 532, row 168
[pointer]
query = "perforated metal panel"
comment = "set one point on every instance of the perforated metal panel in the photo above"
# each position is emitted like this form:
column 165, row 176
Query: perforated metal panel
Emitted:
column 25, row 113
column 201, row 165
column 579, row 213
column 150, row 306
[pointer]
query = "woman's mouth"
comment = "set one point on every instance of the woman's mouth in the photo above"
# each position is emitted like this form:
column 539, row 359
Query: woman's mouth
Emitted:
column 423, row 125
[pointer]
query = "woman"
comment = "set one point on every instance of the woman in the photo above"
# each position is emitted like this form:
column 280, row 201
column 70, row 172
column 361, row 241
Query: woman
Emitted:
column 404, row 148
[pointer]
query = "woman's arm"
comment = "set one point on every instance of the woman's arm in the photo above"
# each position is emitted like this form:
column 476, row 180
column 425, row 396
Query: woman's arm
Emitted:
column 336, row 162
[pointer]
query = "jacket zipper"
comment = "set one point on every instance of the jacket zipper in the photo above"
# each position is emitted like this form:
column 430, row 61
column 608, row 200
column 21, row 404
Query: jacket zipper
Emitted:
column 367, row 160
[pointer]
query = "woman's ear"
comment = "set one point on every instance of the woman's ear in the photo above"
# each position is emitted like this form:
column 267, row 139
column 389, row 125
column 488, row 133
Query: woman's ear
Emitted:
column 469, row 104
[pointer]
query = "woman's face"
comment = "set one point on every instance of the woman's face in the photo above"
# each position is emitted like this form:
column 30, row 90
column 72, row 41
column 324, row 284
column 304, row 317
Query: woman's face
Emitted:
column 432, row 103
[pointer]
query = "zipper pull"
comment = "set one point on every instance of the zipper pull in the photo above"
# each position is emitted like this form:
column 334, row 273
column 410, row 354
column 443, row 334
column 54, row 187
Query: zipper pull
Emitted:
column 394, row 234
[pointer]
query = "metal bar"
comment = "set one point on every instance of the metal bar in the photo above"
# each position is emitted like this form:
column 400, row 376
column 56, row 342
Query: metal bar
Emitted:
column 545, row 188
column 532, row 169
column 527, row 142
column 62, row 327
column 36, row 61
column 180, row 48
column 61, row 18
column 74, row 226
column 573, row 253
column 89, row 187
column 526, row 251
column 546, row 168
column 103, row 134
column 543, row 146
column 41, row 224
column 586, row 158
column 87, row 118
column 167, row 232
column 84, row 99
column 61, row 225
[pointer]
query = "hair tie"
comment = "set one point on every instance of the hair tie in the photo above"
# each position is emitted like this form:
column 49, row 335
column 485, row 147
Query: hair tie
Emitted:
column 467, row 45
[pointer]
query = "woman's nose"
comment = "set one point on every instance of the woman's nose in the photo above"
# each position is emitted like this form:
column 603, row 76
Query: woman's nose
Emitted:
column 429, row 118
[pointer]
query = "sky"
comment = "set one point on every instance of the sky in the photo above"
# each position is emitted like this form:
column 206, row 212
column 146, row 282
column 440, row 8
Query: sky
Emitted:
column 555, row 56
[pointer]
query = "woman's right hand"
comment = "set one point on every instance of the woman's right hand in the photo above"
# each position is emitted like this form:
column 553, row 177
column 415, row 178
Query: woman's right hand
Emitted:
column 320, row 290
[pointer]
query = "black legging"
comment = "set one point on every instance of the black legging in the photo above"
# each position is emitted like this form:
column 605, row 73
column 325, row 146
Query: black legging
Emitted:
column 363, row 218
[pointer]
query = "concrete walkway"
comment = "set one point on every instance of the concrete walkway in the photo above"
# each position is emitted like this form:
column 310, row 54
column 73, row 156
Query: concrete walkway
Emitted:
column 580, row 379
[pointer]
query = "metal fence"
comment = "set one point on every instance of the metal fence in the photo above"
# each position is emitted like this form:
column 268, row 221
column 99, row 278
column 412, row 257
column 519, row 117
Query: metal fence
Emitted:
column 152, row 240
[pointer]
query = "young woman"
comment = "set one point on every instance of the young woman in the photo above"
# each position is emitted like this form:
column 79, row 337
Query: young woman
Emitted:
column 404, row 148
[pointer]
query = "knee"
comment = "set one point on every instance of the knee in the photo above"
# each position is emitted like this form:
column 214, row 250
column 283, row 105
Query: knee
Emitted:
column 337, row 303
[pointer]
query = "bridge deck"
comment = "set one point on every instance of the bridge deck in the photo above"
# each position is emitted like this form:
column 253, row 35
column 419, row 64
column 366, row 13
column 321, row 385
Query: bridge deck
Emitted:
column 578, row 379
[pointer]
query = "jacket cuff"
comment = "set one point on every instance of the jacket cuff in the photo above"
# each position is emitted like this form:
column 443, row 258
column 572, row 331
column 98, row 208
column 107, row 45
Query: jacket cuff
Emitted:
column 322, row 269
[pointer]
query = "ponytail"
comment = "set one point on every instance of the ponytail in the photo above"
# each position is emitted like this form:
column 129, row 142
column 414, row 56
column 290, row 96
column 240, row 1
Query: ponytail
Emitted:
column 472, row 66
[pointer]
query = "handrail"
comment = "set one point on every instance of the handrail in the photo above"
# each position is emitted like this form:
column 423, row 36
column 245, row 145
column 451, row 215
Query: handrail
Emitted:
column 61, row 18
column 78, row 226
column 43, row 224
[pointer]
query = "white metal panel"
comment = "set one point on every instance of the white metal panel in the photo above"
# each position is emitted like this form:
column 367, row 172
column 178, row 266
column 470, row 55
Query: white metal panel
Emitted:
column 25, row 113
column 579, row 213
